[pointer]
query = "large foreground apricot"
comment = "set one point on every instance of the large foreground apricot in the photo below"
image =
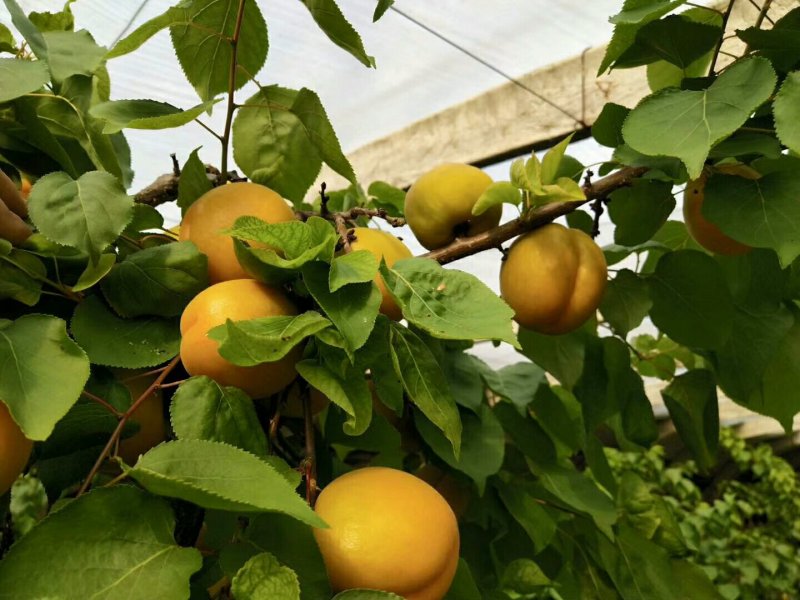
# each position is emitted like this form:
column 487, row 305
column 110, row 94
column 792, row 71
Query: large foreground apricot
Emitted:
column 15, row 450
column 553, row 278
column 238, row 300
column 388, row 531
column 439, row 205
column 704, row 232
column 217, row 210
column 149, row 416
column 382, row 245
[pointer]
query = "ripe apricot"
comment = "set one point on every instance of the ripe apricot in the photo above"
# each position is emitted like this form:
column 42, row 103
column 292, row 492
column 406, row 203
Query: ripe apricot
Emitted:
column 238, row 300
column 15, row 450
column 553, row 278
column 13, row 210
column 388, row 531
column 704, row 232
column 217, row 210
column 438, row 205
column 382, row 245
column 149, row 416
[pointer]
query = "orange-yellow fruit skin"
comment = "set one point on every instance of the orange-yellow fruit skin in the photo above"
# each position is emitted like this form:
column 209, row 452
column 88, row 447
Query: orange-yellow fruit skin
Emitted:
column 439, row 204
column 15, row 450
column 554, row 279
column 382, row 245
column 149, row 416
column 238, row 300
column 388, row 531
column 704, row 232
column 217, row 210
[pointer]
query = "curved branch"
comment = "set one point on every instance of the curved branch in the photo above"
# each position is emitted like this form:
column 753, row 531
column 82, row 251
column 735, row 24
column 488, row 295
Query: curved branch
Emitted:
column 538, row 217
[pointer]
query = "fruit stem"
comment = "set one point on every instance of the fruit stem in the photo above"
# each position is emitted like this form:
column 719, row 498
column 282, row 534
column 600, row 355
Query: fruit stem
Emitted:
column 121, row 425
column 226, row 134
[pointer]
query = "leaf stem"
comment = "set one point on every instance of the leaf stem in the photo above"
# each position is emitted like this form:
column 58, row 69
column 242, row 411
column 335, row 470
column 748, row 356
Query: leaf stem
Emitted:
column 226, row 134
column 310, row 461
column 104, row 403
column 121, row 425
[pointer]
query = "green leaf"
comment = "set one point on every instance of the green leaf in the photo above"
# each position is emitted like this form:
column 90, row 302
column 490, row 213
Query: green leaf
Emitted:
column 762, row 212
column 691, row 399
column 686, row 124
column 42, row 372
column 60, row 21
column 157, row 281
column 19, row 77
column 333, row 23
column 560, row 415
column 640, row 11
column 308, row 108
column 266, row 339
column 626, row 302
column 201, row 31
column 88, row 213
column 780, row 44
column 271, row 144
column 551, row 162
column 388, row 197
column 349, row 392
column 607, row 128
column 787, row 112
column 7, row 42
column 143, row 33
column 201, row 409
column 95, row 272
column 129, row 343
column 193, row 183
column 264, row 578
column 482, row 444
column 28, row 30
column 28, row 504
column 111, row 543
column 380, row 9
column 359, row 266
column 463, row 586
column 72, row 53
column 677, row 40
column 447, row 303
column 294, row 546
column 352, row 310
column 517, row 383
column 530, row 515
column 640, row 210
column 559, row 355
column 217, row 476
column 145, row 114
column 691, row 300
column 775, row 397
column 425, row 384
column 580, row 493
column 499, row 192
column 746, row 144
column 21, row 277
column 523, row 576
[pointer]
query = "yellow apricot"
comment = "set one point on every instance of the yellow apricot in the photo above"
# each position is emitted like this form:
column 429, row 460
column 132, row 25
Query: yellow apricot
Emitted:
column 238, row 300
column 388, row 531
column 15, row 450
column 217, row 210
column 386, row 246
column 553, row 278
column 438, row 205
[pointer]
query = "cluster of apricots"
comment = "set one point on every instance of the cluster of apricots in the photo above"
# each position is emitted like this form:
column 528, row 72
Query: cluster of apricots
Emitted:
column 553, row 278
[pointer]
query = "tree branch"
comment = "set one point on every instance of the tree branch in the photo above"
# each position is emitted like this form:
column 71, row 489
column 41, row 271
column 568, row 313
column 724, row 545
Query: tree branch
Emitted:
column 726, row 15
column 226, row 133
column 537, row 217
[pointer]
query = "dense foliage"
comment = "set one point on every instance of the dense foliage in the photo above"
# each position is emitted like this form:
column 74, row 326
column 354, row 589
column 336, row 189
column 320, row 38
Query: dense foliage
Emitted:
column 91, row 333
column 743, row 527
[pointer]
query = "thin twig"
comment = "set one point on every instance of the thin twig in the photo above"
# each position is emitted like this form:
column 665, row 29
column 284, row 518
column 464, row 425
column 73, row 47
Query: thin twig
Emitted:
column 726, row 15
column 341, row 228
column 121, row 425
column 104, row 403
column 762, row 13
column 208, row 129
column 176, row 167
column 226, row 133
column 533, row 219
column 310, row 461
column 350, row 215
